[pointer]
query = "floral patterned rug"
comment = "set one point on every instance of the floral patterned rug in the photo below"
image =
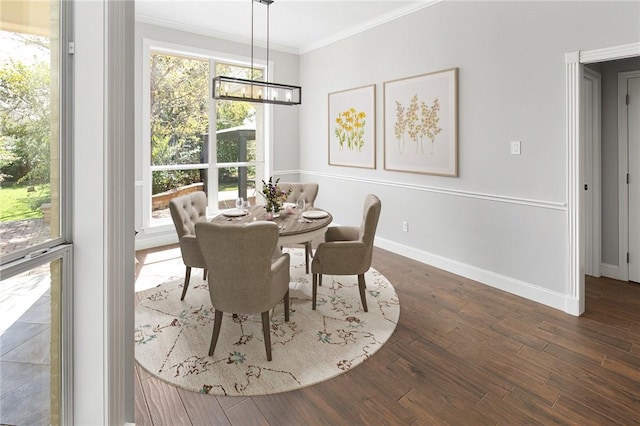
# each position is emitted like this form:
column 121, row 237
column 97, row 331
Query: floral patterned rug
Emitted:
column 172, row 337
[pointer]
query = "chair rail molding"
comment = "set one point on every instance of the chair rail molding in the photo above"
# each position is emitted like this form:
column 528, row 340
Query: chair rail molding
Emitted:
column 446, row 191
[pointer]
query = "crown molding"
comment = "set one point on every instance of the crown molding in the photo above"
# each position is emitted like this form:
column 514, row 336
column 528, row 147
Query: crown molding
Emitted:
column 194, row 29
column 382, row 19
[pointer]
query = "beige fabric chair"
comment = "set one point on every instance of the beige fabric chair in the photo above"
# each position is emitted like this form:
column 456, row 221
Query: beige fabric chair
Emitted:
column 347, row 250
column 247, row 279
column 186, row 211
column 308, row 191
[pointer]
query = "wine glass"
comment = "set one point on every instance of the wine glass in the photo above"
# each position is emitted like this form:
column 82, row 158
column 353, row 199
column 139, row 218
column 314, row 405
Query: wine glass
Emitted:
column 239, row 203
column 246, row 205
column 300, row 204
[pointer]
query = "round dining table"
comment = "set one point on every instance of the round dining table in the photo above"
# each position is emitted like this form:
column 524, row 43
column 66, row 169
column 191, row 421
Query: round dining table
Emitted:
column 294, row 227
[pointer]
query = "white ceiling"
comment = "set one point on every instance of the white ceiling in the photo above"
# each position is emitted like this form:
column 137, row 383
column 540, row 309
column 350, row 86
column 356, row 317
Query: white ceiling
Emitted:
column 295, row 25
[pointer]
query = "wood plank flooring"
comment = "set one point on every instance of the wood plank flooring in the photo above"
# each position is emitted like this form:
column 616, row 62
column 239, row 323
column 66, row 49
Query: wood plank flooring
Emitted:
column 462, row 353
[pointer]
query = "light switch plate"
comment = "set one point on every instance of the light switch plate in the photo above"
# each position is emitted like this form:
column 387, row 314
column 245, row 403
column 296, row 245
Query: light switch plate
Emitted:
column 515, row 147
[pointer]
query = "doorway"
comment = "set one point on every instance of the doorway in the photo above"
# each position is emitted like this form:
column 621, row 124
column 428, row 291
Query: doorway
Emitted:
column 574, row 61
column 591, row 163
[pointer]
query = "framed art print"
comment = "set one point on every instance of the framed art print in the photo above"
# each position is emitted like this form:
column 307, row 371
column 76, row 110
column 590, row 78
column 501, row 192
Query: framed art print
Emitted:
column 421, row 124
column 352, row 127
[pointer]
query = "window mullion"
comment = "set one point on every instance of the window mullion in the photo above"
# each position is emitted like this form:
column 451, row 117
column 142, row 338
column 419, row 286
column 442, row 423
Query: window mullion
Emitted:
column 212, row 175
column 172, row 167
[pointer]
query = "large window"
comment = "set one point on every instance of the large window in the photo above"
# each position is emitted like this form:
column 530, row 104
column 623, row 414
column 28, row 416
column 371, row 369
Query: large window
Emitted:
column 196, row 143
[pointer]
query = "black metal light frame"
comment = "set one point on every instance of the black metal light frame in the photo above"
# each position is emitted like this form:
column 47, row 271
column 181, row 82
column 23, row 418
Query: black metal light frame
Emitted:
column 240, row 89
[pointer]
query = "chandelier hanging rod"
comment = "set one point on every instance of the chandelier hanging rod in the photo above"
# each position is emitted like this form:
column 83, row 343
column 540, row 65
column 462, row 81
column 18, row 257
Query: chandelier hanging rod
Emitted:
column 252, row 90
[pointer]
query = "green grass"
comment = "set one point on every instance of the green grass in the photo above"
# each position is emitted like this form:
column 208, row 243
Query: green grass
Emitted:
column 16, row 203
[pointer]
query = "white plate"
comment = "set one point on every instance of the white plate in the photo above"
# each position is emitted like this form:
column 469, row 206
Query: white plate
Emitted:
column 315, row 214
column 233, row 212
column 292, row 205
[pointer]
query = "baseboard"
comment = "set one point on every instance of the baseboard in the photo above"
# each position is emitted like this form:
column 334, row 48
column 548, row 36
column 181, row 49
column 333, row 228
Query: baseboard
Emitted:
column 148, row 241
column 610, row 271
column 511, row 285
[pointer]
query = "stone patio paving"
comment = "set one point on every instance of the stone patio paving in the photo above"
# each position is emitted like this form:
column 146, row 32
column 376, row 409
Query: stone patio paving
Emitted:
column 19, row 234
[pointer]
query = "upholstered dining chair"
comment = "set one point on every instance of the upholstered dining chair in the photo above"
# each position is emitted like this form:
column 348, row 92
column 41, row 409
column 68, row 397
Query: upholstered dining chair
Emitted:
column 308, row 191
column 347, row 250
column 186, row 211
column 248, row 277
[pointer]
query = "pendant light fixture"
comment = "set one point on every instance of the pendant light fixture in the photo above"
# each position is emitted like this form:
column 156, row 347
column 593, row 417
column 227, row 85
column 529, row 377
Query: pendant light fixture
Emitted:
column 240, row 89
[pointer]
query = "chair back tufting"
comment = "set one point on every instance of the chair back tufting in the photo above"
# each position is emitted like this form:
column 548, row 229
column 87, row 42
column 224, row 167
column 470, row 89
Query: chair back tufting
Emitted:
column 187, row 210
column 308, row 191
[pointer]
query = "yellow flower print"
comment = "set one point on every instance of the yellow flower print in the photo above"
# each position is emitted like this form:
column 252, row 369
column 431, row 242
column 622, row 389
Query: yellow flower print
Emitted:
column 350, row 129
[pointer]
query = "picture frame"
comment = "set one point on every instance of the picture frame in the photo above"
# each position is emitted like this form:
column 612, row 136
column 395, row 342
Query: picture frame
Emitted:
column 421, row 124
column 352, row 127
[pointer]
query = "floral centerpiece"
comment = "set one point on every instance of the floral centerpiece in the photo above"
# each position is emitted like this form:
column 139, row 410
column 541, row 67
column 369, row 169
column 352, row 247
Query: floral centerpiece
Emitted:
column 274, row 196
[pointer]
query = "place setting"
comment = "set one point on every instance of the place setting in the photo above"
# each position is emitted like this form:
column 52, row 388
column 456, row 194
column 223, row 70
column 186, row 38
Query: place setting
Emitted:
column 241, row 210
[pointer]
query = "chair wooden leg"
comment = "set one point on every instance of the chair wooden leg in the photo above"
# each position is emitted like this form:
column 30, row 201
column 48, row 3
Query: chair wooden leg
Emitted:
column 315, row 291
column 320, row 281
column 187, row 277
column 204, row 274
column 267, row 334
column 362, row 286
column 286, row 306
column 217, row 321
column 307, row 255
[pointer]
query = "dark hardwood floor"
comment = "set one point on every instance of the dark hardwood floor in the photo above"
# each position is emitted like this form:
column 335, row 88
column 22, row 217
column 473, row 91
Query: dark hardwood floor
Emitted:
column 462, row 353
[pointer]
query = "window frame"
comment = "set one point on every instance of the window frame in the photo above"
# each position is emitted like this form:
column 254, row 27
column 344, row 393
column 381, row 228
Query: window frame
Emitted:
column 65, row 141
column 61, row 247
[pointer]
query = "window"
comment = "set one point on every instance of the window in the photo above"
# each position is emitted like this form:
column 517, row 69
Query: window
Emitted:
column 195, row 143
column 35, row 262
column 239, row 155
column 179, row 123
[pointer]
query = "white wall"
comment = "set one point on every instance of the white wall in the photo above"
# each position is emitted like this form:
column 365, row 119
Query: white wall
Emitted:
column 88, row 213
column 503, row 221
column 285, row 132
column 102, row 186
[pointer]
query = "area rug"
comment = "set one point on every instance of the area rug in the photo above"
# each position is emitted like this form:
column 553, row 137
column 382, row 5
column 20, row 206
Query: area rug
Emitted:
column 172, row 337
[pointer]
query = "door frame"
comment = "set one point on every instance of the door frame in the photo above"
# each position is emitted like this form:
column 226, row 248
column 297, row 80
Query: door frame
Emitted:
column 592, row 104
column 574, row 70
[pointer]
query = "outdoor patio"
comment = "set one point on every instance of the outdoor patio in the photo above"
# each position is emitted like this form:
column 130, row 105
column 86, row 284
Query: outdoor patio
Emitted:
column 20, row 234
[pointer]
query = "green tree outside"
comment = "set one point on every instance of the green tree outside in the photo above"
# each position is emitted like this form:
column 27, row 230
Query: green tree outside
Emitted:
column 180, row 119
column 25, row 129
column 24, row 121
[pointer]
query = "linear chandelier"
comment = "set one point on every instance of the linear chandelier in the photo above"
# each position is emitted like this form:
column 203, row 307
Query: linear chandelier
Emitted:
column 240, row 89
